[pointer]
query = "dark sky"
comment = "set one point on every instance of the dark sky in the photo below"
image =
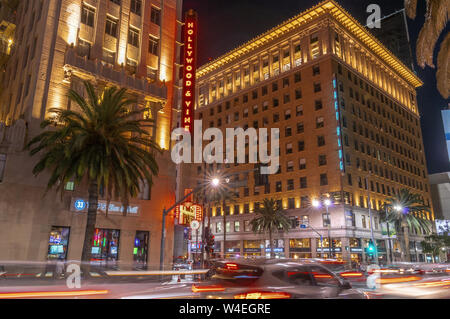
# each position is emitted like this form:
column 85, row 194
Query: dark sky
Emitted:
column 224, row 25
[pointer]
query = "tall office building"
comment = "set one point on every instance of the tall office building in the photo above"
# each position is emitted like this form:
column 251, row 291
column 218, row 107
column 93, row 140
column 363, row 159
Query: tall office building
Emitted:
column 349, row 127
column 59, row 44
column 394, row 34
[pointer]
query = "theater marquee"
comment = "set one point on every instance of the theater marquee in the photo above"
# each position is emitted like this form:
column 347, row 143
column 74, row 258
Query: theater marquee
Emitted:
column 190, row 62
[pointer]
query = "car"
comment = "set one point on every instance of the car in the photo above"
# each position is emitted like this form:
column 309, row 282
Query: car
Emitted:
column 273, row 279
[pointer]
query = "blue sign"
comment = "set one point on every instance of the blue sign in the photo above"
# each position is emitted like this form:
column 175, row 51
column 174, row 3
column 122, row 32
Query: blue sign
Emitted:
column 303, row 226
column 80, row 204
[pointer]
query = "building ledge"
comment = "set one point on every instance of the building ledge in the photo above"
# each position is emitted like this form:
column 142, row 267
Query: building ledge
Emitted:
column 103, row 71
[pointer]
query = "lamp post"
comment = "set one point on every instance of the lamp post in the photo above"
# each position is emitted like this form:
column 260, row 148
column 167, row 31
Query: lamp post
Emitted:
column 327, row 203
column 369, row 205
column 214, row 182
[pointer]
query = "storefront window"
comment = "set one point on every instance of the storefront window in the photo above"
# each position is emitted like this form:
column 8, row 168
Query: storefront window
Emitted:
column 58, row 243
column 140, row 251
column 105, row 248
column 232, row 248
column 252, row 248
column 278, row 248
column 299, row 243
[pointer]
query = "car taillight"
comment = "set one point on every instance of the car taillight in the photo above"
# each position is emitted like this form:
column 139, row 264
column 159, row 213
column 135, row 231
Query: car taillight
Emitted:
column 351, row 274
column 323, row 276
column 210, row 288
column 263, row 295
column 231, row 266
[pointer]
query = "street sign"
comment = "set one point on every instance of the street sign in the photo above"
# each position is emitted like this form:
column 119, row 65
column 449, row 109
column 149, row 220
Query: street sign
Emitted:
column 303, row 226
column 195, row 224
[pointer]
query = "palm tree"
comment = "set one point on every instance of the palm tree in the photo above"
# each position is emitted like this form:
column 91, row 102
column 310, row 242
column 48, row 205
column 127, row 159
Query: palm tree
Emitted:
column 270, row 218
column 403, row 210
column 436, row 18
column 222, row 195
column 106, row 145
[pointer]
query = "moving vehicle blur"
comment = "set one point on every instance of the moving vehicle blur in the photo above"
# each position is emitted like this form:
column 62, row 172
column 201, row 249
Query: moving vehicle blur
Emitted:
column 273, row 279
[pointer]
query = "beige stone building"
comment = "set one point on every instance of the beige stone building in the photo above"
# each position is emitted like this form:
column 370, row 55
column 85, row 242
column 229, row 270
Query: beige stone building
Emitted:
column 58, row 44
column 349, row 127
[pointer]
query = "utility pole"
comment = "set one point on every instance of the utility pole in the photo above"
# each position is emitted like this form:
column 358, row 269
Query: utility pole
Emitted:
column 369, row 205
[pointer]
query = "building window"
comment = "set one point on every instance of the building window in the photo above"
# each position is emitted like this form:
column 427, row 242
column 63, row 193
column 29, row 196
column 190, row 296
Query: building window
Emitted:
column 153, row 45
column 109, row 56
column 88, row 16
column 320, row 140
column 155, row 16
column 237, row 226
column 291, row 201
column 300, row 128
column 289, row 148
column 2, row 166
column 58, row 243
column 70, row 186
column 111, row 26
column 136, row 6
column 318, row 105
column 290, row 184
column 133, row 37
column 323, row 180
column 278, row 187
column 83, row 48
column 303, row 182
column 301, row 146
column 218, row 227
column 105, row 245
column 322, row 160
column 302, row 163
column 316, row 70
column 319, row 122
column 317, row 87
column 300, row 110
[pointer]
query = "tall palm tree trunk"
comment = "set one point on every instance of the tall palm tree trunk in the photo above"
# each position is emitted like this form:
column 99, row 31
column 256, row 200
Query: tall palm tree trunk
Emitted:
column 90, row 225
column 406, row 239
column 272, row 255
column 224, row 229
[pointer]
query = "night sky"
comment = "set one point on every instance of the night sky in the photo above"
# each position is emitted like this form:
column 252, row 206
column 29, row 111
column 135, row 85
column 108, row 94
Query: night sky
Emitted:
column 224, row 25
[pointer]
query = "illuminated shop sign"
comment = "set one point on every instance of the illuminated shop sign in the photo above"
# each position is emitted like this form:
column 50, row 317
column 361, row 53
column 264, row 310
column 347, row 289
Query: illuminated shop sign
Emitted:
column 188, row 212
column 336, row 249
column 115, row 208
column 190, row 62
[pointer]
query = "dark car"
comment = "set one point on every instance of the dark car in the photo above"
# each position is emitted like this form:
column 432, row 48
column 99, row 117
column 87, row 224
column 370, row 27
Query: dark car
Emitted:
column 273, row 279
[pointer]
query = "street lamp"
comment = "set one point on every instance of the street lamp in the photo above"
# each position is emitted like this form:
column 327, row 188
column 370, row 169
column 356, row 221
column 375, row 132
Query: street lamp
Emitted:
column 327, row 203
column 214, row 182
column 369, row 205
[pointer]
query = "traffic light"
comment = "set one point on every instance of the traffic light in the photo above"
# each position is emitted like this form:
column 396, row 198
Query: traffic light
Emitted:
column 371, row 248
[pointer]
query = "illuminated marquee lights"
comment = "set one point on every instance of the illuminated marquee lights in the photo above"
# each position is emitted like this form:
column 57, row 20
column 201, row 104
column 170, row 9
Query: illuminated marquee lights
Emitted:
column 338, row 119
column 190, row 60
column 188, row 212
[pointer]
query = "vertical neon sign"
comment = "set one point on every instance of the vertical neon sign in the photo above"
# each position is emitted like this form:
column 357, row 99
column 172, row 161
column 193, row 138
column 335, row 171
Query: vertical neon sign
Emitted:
column 338, row 129
column 190, row 62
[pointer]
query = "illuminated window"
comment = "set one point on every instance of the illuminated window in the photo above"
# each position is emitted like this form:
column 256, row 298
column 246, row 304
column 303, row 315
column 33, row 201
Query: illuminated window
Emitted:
column 136, row 6
column 111, row 26
column 153, row 45
column 133, row 37
column 109, row 56
column 87, row 16
column 314, row 45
